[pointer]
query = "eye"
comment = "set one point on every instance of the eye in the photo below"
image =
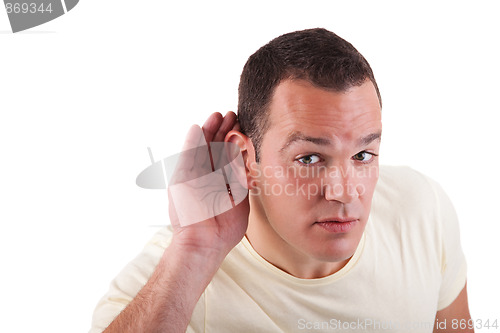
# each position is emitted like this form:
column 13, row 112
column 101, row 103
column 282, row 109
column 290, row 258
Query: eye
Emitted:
column 364, row 157
column 309, row 159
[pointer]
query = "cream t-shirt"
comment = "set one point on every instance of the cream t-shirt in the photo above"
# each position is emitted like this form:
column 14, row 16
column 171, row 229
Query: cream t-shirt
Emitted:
column 408, row 265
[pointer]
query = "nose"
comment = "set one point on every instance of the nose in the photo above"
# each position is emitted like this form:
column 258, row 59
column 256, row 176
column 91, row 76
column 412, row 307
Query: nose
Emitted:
column 340, row 184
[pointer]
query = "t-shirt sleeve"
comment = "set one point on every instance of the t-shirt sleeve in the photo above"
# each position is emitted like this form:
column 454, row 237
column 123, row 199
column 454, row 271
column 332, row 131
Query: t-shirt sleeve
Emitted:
column 130, row 281
column 453, row 264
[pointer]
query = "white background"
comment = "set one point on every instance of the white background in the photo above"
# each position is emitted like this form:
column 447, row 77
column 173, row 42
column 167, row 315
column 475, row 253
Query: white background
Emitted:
column 83, row 96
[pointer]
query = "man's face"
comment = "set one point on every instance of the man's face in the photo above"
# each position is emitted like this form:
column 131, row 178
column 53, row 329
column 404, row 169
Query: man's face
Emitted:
column 318, row 170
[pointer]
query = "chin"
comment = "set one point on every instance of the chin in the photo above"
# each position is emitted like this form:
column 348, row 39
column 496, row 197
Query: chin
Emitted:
column 335, row 257
column 340, row 250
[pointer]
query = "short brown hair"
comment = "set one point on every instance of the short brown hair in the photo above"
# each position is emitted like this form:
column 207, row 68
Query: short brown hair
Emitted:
column 316, row 55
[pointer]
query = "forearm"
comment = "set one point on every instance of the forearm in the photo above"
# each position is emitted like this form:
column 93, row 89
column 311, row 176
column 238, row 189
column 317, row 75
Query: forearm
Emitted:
column 167, row 301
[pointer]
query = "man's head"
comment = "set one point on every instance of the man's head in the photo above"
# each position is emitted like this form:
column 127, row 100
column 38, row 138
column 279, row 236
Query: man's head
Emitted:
column 310, row 106
column 315, row 55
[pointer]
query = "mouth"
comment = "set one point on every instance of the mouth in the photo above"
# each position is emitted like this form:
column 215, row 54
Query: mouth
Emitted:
column 337, row 225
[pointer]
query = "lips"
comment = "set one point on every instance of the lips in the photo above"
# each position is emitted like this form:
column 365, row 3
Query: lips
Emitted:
column 337, row 224
column 337, row 219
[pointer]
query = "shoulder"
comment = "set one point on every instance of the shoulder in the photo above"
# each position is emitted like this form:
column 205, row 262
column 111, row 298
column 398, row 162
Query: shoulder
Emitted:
column 147, row 260
column 404, row 189
column 137, row 272
column 130, row 280
column 412, row 205
column 409, row 201
column 414, row 224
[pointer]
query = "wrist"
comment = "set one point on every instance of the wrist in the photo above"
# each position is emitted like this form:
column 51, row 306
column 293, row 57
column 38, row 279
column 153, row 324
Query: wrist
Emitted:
column 196, row 255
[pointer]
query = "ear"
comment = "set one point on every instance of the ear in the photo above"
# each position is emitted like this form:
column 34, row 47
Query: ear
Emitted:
column 247, row 152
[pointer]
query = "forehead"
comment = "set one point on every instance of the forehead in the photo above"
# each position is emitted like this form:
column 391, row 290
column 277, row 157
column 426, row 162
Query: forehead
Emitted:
column 297, row 105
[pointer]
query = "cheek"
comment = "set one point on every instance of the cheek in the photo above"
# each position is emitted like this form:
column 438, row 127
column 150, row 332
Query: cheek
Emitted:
column 367, row 185
column 298, row 186
column 285, row 194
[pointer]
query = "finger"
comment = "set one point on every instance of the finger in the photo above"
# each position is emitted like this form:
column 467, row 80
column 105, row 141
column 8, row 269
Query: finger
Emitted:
column 211, row 125
column 198, row 155
column 236, row 174
column 193, row 161
column 194, row 138
column 237, row 127
column 217, row 147
column 226, row 125
column 179, row 164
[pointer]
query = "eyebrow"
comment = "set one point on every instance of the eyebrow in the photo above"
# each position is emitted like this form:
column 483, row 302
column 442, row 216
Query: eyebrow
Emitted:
column 299, row 136
column 365, row 141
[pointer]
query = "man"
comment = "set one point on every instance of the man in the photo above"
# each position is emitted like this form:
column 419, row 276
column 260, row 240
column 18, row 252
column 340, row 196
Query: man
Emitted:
column 318, row 244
